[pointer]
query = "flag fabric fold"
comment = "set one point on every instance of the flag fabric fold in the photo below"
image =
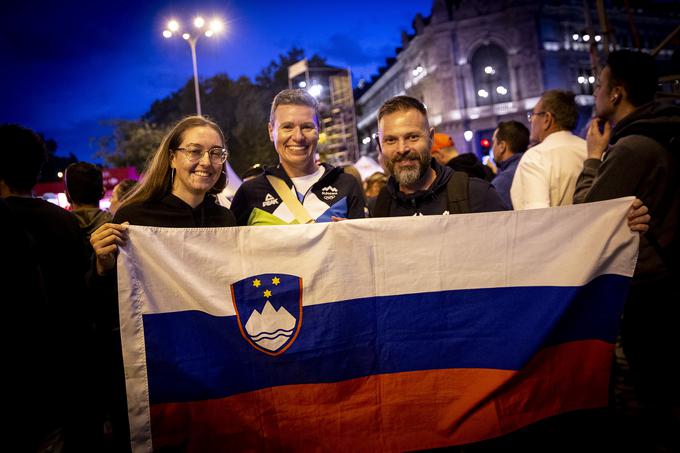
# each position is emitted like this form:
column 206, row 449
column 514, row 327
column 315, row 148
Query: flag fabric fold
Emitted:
column 377, row 334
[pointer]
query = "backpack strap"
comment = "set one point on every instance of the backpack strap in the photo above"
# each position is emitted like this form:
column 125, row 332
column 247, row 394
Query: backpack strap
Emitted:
column 457, row 190
column 290, row 200
column 382, row 203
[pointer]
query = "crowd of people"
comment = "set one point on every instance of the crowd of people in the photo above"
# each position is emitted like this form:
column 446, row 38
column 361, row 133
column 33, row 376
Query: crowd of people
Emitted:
column 70, row 380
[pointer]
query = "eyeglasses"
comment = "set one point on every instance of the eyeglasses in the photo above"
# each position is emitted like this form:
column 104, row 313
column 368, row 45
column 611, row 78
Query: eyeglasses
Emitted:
column 195, row 153
column 530, row 114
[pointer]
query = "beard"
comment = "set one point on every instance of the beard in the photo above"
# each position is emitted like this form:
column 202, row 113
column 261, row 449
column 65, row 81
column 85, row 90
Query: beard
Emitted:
column 409, row 176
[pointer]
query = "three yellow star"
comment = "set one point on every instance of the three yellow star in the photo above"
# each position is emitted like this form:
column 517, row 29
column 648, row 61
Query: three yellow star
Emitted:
column 256, row 283
column 276, row 281
column 267, row 293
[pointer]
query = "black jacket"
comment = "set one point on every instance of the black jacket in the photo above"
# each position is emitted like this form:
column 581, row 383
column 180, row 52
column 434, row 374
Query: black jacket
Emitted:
column 643, row 159
column 172, row 212
column 482, row 197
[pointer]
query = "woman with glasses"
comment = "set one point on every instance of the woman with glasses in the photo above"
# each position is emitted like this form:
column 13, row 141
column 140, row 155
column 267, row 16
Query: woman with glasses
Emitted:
column 177, row 190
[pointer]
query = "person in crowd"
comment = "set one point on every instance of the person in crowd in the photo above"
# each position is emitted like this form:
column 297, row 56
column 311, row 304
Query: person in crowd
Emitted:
column 418, row 184
column 633, row 149
column 445, row 152
column 119, row 193
column 84, row 188
column 298, row 190
column 352, row 170
column 65, row 414
column 374, row 183
column 546, row 174
column 510, row 140
column 372, row 187
column 177, row 191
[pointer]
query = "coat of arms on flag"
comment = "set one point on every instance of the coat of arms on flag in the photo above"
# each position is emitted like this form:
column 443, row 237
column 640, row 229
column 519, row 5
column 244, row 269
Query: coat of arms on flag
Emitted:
column 269, row 310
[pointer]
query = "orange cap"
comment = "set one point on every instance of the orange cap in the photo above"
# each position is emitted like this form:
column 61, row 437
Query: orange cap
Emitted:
column 441, row 141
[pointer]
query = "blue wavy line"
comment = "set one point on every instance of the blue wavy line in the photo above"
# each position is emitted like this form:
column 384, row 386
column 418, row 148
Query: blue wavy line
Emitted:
column 276, row 333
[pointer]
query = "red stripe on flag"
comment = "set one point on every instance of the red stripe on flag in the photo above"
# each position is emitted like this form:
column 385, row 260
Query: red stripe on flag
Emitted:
column 401, row 411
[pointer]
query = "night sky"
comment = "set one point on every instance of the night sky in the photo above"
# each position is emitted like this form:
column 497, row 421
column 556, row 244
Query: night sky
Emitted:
column 68, row 66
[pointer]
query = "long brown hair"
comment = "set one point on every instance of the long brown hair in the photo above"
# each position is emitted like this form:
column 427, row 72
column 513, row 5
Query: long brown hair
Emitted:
column 157, row 180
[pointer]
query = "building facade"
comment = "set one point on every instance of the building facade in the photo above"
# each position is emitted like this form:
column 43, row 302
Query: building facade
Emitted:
column 476, row 63
column 332, row 87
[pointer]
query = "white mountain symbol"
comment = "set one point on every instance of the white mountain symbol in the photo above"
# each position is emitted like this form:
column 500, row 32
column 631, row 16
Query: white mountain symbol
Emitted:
column 271, row 328
column 330, row 189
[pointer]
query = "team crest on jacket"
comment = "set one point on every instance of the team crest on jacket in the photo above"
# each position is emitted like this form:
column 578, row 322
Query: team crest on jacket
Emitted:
column 269, row 310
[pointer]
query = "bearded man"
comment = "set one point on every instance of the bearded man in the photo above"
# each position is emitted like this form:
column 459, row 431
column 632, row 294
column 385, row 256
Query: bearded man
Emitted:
column 418, row 184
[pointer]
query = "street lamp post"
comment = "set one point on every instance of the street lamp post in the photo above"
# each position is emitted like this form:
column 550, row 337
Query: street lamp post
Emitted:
column 214, row 27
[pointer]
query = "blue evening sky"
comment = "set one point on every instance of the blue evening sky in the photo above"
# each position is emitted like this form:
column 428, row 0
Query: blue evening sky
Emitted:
column 68, row 66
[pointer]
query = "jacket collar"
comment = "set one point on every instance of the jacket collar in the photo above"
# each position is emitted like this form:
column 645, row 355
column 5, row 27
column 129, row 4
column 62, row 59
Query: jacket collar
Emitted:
column 506, row 163
column 279, row 172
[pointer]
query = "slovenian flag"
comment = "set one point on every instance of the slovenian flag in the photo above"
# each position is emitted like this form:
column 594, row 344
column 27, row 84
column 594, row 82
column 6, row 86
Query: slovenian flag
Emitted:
column 374, row 334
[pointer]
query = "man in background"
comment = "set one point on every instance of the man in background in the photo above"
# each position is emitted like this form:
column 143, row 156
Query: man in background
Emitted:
column 84, row 188
column 633, row 149
column 510, row 140
column 546, row 174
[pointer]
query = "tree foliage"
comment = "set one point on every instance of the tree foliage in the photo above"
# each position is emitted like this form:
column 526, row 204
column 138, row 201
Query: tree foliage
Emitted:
column 240, row 107
column 131, row 144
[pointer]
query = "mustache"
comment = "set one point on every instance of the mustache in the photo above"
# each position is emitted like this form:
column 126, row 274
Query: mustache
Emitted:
column 410, row 156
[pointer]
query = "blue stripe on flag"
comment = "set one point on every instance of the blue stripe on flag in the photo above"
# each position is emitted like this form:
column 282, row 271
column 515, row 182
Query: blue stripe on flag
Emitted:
column 194, row 356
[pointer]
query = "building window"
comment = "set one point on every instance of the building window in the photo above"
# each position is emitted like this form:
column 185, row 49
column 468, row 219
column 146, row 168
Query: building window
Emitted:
column 491, row 76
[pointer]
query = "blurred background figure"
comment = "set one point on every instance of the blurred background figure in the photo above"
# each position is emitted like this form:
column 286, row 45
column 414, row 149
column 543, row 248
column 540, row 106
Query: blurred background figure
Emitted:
column 510, row 140
column 374, row 183
column 445, row 152
column 372, row 187
column 57, row 389
column 119, row 192
column 352, row 170
column 84, row 188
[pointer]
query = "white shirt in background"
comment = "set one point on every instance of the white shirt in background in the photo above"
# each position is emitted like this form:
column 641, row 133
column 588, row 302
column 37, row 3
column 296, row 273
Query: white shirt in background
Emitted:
column 546, row 176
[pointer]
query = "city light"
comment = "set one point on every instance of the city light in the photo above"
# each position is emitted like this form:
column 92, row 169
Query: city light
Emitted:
column 591, row 79
column 173, row 26
column 302, row 84
column 581, row 80
column 489, row 70
column 315, row 90
column 483, row 93
column 216, row 25
column 366, row 140
column 586, row 38
column 598, row 38
column 501, row 90
column 468, row 135
column 574, row 36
